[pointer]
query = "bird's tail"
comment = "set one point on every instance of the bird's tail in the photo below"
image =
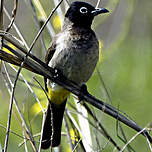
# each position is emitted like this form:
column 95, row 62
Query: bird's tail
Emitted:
column 52, row 125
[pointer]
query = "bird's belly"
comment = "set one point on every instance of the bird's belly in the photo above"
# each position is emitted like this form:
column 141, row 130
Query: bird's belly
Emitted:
column 77, row 64
column 80, row 68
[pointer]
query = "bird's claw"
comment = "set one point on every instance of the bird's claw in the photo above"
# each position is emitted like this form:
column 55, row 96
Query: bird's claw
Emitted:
column 82, row 92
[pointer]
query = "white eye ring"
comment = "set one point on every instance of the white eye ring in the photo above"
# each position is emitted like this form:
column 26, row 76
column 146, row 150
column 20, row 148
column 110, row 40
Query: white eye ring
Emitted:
column 83, row 10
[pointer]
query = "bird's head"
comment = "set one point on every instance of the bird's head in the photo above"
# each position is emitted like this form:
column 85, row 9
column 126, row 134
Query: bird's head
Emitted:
column 82, row 13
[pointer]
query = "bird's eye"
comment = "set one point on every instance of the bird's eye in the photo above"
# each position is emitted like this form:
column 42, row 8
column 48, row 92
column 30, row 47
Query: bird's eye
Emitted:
column 83, row 10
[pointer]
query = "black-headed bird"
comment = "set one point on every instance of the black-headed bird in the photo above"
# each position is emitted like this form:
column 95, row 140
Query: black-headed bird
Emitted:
column 74, row 52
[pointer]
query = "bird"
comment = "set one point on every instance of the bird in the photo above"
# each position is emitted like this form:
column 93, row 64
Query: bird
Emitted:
column 74, row 52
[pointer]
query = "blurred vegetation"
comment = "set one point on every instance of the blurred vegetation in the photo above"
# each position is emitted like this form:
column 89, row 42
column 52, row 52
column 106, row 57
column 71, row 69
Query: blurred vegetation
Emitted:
column 126, row 69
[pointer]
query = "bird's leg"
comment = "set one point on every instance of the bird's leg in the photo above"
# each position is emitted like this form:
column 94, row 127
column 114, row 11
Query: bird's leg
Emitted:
column 83, row 90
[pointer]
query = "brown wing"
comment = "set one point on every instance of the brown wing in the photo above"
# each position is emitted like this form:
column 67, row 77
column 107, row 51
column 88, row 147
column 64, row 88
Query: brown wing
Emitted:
column 48, row 57
column 50, row 52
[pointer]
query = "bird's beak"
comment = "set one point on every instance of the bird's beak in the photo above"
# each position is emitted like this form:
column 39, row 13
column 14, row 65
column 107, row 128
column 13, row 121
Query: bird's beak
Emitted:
column 99, row 11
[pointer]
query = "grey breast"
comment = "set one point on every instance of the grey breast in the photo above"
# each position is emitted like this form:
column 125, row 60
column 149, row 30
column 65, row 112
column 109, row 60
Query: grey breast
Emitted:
column 76, row 55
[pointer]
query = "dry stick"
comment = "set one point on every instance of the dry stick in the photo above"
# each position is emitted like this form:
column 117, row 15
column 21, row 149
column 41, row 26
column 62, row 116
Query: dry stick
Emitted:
column 72, row 87
column 104, row 86
column 1, row 22
column 22, row 143
column 150, row 146
column 68, row 132
column 42, row 13
column 11, row 100
column 76, row 145
column 30, row 83
column 120, row 117
column 43, row 121
column 18, row 109
column 13, row 15
column 22, row 39
column 1, row 14
column 98, row 2
column 132, row 139
column 74, row 123
column 37, row 24
column 6, row 37
column 100, row 105
column 25, row 52
column 97, row 125
column 16, row 134
column 15, row 82
column 100, row 128
column 17, row 75
column 29, row 87
column 105, row 133
column 15, row 60
column 44, row 114
column 29, row 64
column 25, row 142
column 12, row 19
column 123, row 138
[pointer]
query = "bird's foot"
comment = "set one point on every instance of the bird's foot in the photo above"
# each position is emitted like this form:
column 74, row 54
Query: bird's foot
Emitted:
column 83, row 91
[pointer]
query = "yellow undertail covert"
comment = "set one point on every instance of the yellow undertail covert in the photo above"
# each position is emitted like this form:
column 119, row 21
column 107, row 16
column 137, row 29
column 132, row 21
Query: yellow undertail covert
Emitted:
column 58, row 96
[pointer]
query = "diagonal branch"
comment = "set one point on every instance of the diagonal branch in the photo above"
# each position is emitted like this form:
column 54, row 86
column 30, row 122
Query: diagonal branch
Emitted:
column 48, row 72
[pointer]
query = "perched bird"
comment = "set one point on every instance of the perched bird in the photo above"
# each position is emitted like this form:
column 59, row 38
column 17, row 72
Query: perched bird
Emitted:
column 74, row 52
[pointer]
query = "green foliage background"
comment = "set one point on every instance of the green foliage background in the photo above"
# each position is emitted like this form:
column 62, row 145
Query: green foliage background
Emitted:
column 126, row 69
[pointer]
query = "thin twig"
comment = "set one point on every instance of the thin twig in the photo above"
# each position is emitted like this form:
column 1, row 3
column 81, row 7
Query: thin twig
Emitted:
column 149, row 144
column 68, row 132
column 18, row 109
column 59, row 11
column 124, row 139
column 31, row 84
column 11, row 37
column 98, row 2
column 44, row 17
column 22, row 143
column 76, row 145
column 17, row 61
column 17, row 30
column 37, row 24
column 22, row 50
column 66, row 5
column 104, row 85
column 76, row 130
column 44, row 114
column 13, row 132
column 72, row 87
column 1, row 14
column 105, row 133
column 138, row 133
column 17, row 75
column 85, row 127
column 29, row 87
column 25, row 142
column 13, row 15
column 1, row 21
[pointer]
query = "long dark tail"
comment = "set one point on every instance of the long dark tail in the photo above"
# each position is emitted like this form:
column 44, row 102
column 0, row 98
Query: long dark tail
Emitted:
column 56, row 121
